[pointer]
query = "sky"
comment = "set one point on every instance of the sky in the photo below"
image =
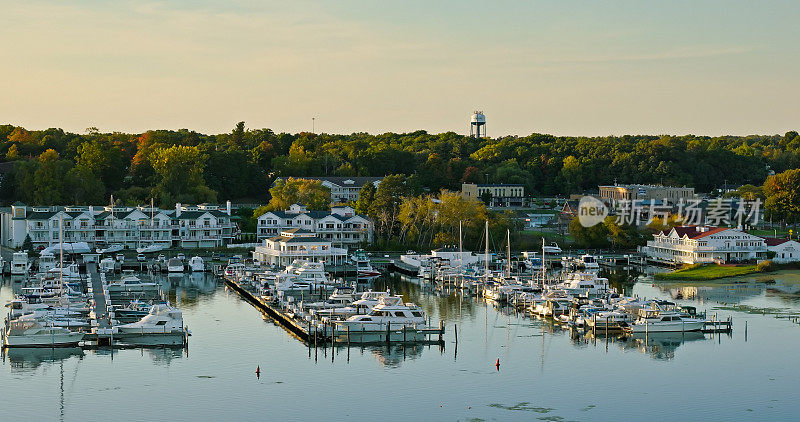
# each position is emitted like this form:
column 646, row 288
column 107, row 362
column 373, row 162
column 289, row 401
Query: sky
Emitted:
column 591, row 68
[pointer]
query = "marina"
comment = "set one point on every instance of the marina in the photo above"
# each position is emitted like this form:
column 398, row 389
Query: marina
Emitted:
column 533, row 352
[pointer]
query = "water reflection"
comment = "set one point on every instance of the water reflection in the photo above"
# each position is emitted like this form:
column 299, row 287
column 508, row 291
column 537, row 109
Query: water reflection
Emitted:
column 25, row 360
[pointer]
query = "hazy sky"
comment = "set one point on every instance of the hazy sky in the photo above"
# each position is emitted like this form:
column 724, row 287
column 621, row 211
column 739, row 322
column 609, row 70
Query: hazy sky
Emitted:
column 562, row 67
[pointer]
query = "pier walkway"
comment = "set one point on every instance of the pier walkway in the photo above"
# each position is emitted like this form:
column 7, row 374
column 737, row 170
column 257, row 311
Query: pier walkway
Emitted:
column 100, row 304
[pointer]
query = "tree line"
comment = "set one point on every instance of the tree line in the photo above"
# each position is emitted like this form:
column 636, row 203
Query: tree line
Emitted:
column 57, row 167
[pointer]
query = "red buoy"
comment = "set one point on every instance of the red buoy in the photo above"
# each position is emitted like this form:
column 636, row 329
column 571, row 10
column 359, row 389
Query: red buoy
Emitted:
column 258, row 371
column 497, row 364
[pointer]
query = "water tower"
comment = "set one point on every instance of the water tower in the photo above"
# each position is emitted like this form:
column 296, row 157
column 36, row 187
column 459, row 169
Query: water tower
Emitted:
column 477, row 125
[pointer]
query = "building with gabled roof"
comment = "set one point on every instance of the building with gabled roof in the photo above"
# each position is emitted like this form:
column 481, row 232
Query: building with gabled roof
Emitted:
column 704, row 244
column 341, row 225
column 187, row 226
column 784, row 250
column 298, row 243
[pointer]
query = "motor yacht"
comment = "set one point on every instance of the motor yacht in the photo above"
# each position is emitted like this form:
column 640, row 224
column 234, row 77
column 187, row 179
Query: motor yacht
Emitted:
column 363, row 266
column 586, row 284
column 161, row 319
column 175, row 265
column 31, row 333
column 19, row 263
column 131, row 283
column 234, row 269
column 607, row 320
column 389, row 312
column 155, row 247
column 588, row 262
column 108, row 265
column 196, row 264
column 117, row 247
column 47, row 262
column 657, row 321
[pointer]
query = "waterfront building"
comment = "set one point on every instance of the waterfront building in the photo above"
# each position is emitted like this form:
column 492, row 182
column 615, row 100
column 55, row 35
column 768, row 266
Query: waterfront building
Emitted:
column 187, row 226
column 784, row 250
column 341, row 225
column 298, row 243
column 502, row 195
column 344, row 189
column 703, row 244
column 670, row 194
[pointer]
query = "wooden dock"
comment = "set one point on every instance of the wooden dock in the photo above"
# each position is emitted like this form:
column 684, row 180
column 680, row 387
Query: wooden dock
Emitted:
column 99, row 304
column 309, row 333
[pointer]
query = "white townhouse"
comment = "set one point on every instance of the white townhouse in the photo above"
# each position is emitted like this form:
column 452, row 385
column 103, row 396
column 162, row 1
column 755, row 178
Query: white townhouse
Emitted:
column 341, row 225
column 298, row 243
column 703, row 244
column 187, row 226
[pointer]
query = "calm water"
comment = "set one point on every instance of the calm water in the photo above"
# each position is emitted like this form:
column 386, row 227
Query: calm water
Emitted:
column 545, row 373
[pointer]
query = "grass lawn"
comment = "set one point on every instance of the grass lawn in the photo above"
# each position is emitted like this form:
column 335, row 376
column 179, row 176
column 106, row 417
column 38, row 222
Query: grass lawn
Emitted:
column 770, row 233
column 706, row 272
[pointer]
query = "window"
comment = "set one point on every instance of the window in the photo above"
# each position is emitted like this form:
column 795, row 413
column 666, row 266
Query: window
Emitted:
column 417, row 314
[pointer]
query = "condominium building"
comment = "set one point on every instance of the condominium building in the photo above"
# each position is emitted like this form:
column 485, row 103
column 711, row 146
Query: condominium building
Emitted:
column 670, row 194
column 341, row 225
column 187, row 226
column 702, row 244
column 500, row 195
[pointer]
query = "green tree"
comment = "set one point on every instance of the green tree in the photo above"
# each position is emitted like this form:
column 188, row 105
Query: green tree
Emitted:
column 49, row 178
column 782, row 192
column 27, row 245
column 366, row 195
column 310, row 193
column 180, row 170
column 589, row 237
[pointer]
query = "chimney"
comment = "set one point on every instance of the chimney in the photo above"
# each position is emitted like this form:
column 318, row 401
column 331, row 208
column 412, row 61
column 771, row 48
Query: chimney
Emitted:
column 177, row 209
column 228, row 207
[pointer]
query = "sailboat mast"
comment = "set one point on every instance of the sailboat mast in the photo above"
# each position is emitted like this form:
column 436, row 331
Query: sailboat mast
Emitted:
column 460, row 247
column 508, row 253
column 543, row 267
column 486, row 251
column 61, row 254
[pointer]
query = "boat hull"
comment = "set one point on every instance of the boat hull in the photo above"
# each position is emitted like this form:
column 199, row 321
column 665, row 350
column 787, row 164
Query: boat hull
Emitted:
column 667, row 328
column 58, row 340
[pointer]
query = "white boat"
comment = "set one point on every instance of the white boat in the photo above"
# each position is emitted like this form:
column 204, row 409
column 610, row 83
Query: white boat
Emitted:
column 657, row 321
column 47, row 262
column 19, row 263
column 363, row 266
column 196, row 265
column 588, row 262
column 155, row 247
column 363, row 305
column 131, row 283
column 389, row 312
column 343, row 296
column 117, row 247
column 234, row 269
column 68, row 248
column 584, row 284
column 608, row 320
column 107, row 265
column 34, row 334
column 553, row 248
column 175, row 265
column 162, row 319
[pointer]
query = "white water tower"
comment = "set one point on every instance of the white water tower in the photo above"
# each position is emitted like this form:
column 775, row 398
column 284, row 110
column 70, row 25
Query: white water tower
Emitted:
column 477, row 125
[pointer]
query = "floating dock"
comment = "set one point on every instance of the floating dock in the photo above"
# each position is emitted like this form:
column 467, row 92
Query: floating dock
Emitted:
column 310, row 332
